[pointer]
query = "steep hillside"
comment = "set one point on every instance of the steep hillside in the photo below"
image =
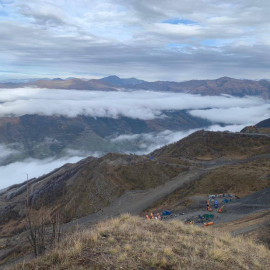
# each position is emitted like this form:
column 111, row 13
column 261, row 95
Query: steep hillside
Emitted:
column 134, row 243
column 206, row 145
column 83, row 188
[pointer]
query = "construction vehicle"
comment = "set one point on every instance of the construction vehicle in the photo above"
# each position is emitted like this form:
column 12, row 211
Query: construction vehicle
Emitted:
column 208, row 216
column 208, row 206
column 208, row 223
column 220, row 210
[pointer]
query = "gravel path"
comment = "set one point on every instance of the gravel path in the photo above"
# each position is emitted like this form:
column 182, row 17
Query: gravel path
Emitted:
column 134, row 202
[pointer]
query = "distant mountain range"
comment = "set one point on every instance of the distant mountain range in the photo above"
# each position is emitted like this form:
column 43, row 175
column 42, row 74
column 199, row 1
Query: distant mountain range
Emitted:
column 224, row 85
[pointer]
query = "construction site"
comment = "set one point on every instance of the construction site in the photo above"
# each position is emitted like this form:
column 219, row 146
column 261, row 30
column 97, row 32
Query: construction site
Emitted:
column 221, row 210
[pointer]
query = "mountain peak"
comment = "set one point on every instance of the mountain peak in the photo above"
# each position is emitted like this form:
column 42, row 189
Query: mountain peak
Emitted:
column 116, row 81
column 225, row 78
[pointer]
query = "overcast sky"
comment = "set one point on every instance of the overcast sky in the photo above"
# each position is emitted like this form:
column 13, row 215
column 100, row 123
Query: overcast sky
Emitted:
column 152, row 40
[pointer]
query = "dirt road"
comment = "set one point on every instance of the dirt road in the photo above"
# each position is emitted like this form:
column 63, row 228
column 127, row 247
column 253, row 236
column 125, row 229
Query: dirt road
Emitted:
column 134, row 202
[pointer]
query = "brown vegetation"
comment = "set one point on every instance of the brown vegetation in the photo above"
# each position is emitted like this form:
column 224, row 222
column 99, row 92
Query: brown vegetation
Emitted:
column 257, row 130
column 134, row 243
column 207, row 145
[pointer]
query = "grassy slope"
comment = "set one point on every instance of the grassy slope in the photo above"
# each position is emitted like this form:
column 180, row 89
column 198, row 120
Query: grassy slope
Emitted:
column 135, row 243
column 103, row 180
column 241, row 179
column 208, row 145
column 259, row 130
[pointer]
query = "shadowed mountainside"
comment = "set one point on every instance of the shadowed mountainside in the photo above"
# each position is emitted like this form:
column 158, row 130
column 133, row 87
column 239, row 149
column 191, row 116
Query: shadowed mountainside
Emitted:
column 38, row 136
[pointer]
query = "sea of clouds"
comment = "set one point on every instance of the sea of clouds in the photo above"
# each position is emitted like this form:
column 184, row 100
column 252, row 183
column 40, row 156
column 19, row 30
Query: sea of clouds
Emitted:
column 144, row 105
column 225, row 112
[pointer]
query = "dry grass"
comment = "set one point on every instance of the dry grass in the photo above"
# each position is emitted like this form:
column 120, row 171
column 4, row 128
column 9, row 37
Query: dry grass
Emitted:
column 262, row 130
column 134, row 243
column 206, row 145
column 242, row 179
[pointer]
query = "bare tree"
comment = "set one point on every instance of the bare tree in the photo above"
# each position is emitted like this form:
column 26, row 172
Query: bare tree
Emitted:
column 44, row 229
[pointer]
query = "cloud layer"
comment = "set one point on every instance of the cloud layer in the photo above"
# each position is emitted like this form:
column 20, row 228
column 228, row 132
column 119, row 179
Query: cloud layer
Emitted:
column 149, row 39
column 15, row 173
column 144, row 105
column 233, row 112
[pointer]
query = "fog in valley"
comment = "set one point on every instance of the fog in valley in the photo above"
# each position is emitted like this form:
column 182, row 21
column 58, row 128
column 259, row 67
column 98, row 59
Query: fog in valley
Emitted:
column 224, row 112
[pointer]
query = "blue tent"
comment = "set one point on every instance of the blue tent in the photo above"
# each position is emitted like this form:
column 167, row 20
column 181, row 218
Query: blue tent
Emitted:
column 166, row 213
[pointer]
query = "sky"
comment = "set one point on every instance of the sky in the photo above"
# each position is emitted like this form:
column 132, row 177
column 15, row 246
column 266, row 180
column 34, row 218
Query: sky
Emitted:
column 151, row 40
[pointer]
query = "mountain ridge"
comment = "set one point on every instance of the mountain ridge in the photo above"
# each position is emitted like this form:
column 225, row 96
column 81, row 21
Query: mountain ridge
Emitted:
column 223, row 85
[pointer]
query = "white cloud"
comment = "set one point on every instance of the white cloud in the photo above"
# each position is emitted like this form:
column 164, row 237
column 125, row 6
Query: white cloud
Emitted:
column 97, row 38
column 15, row 173
column 148, row 142
column 145, row 105
column 232, row 111
column 235, row 115
column 6, row 152
column 232, row 128
column 176, row 29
